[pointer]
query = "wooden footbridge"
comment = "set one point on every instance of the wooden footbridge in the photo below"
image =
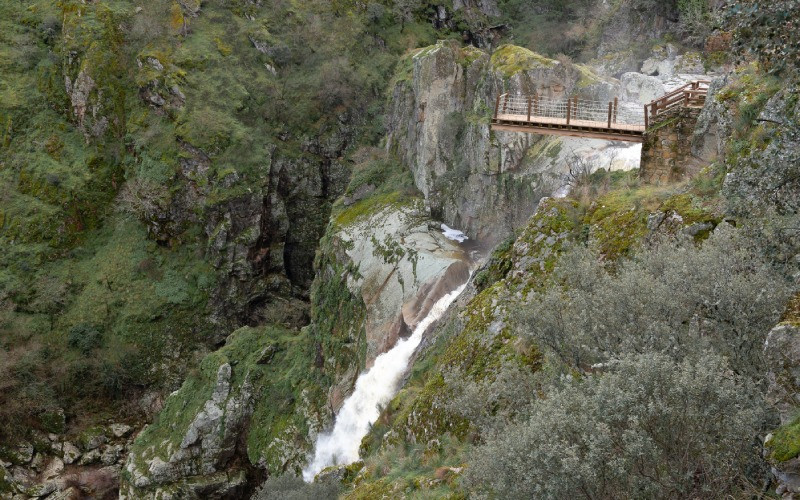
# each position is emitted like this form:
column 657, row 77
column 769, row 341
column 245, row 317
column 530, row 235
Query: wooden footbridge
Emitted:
column 599, row 120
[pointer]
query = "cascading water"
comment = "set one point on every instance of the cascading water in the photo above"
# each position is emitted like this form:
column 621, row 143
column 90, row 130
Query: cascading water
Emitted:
column 373, row 389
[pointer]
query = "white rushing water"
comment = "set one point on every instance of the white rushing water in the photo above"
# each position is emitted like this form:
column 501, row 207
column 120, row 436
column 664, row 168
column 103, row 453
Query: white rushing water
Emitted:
column 374, row 389
column 453, row 234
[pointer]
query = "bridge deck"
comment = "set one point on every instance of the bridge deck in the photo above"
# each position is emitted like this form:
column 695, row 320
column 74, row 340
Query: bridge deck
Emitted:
column 575, row 128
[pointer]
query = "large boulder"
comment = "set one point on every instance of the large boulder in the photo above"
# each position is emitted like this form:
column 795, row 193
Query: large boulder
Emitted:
column 640, row 88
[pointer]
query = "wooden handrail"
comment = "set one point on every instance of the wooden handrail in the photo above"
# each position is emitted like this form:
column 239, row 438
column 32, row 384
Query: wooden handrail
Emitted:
column 685, row 95
column 497, row 106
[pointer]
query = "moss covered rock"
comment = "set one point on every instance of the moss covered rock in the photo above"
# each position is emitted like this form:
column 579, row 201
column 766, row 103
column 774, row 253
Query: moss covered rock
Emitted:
column 248, row 400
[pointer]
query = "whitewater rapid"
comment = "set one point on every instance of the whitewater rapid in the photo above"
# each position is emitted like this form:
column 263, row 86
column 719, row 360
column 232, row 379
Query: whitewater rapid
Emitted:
column 374, row 389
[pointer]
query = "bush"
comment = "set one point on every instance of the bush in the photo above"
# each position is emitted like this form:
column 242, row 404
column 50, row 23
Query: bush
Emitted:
column 85, row 338
column 651, row 428
column 288, row 487
column 674, row 298
column 768, row 31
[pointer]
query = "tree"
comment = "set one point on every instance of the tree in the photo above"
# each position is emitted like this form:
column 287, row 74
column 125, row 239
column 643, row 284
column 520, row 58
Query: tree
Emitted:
column 404, row 11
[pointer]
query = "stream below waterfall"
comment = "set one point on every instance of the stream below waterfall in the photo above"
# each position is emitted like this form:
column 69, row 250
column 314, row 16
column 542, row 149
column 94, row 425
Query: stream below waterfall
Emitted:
column 374, row 389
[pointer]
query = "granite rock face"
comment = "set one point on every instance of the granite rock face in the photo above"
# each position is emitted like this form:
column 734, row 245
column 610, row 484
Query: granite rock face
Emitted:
column 641, row 88
column 400, row 290
column 207, row 444
column 782, row 353
column 714, row 125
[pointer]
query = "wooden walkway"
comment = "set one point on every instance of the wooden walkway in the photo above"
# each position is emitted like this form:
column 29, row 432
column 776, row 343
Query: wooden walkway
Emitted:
column 580, row 118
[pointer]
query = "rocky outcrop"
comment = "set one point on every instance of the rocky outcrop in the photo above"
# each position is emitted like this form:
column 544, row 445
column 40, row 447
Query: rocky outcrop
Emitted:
column 486, row 7
column 626, row 25
column 222, row 423
column 782, row 355
column 640, row 88
column 714, row 125
column 404, row 265
column 65, row 466
column 394, row 264
column 485, row 183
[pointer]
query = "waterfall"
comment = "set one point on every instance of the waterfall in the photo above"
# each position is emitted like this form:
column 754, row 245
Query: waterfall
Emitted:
column 374, row 389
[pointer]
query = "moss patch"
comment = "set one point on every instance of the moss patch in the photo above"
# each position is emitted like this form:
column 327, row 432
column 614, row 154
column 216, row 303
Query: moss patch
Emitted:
column 785, row 442
column 511, row 59
column 792, row 313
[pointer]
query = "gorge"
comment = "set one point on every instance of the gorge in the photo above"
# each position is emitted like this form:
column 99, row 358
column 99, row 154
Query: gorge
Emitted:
column 274, row 249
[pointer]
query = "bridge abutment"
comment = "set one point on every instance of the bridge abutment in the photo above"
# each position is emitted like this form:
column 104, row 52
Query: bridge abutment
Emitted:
column 667, row 148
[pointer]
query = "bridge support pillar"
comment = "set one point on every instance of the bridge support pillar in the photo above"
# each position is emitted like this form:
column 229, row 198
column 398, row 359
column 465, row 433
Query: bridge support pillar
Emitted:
column 667, row 148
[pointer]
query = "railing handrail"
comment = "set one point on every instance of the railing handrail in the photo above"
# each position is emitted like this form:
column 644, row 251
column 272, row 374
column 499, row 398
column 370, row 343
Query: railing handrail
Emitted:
column 577, row 110
column 692, row 91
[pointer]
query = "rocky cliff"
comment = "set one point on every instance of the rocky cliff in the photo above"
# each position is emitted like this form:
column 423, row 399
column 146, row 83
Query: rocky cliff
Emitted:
column 482, row 182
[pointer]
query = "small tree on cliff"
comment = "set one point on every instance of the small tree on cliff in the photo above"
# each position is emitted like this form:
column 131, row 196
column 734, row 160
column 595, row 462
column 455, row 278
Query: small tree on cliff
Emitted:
column 404, row 11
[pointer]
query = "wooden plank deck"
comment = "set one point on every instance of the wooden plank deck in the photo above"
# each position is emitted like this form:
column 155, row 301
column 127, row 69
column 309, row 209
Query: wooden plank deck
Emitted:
column 575, row 128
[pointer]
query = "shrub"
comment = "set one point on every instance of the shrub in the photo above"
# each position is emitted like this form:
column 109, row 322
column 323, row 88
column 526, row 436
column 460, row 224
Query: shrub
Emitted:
column 768, row 31
column 651, row 428
column 288, row 487
column 85, row 338
column 673, row 298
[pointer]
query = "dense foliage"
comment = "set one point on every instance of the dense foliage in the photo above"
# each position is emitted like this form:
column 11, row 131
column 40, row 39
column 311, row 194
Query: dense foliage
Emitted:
column 122, row 191
column 767, row 31
column 650, row 428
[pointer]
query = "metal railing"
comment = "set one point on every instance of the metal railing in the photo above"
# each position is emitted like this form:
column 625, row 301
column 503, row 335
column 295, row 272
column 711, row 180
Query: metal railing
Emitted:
column 585, row 114
column 572, row 111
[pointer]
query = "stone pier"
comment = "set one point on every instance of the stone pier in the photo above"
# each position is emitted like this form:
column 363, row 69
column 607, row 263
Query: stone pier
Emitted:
column 667, row 148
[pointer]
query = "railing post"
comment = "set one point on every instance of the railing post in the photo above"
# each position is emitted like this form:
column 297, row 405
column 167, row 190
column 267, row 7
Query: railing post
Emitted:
column 497, row 106
column 529, row 108
column 616, row 105
column 536, row 103
column 569, row 107
column 610, row 104
column 505, row 104
column 646, row 124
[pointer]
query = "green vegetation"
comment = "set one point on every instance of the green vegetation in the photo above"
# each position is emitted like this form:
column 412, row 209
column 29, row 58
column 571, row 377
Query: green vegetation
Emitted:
column 117, row 189
column 377, row 180
column 511, row 59
column 677, row 429
column 288, row 487
column 785, row 442
column 766, row 32
column 274, row 366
